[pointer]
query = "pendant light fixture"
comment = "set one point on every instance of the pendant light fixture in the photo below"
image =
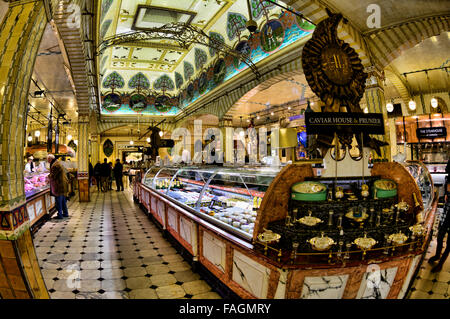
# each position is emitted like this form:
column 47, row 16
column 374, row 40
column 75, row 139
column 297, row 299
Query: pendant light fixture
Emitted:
column 390, row 106
column 161, row 133
column 30, row 138
column 148, row 139
column 434, row 102
column 131, row 142
column 69, row 137
column 411, row 103
column 37, row 133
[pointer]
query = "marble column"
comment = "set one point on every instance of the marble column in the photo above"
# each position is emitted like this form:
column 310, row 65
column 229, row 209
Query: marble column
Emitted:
column 83, row 157
column 20, row 36
column 376, row 103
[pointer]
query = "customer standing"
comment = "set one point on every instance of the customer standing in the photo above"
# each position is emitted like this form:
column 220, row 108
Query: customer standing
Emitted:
column 98, row 174
column 111, row 175
column 59, row 185
column 91, row 173
column 118, row 175
column 105, row 175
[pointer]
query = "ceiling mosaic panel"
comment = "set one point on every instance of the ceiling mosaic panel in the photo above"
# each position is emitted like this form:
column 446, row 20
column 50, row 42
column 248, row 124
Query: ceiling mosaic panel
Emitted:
column 106, row 5
column 188, row 70
column 200, row 58
column 114, row 81
column 139, row 81
column 178, row 80
column 218, row 37
column 164, row 83
column 260, row 7
column 236, row 23
column 168, row 69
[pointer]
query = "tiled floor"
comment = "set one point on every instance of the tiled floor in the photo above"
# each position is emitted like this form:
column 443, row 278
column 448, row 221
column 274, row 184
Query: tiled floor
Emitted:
column 428, row 285
column 108, row 248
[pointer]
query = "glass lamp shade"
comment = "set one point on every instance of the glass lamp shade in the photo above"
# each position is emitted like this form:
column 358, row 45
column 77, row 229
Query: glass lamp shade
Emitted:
column 37, row 133
column 389, row 107
column 131, row 142
column 412, row 105
column 161, row 133
column 434, row 103
column 148, row 139
column 288, row 137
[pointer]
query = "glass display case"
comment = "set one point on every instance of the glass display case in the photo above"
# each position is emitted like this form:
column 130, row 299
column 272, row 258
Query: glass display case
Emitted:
column 35, row 183
column 226, row 197
column 422, row 176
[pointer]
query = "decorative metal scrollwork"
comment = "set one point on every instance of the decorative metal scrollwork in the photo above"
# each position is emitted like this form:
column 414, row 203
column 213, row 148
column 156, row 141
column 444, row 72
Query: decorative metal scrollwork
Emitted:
column 184, row 34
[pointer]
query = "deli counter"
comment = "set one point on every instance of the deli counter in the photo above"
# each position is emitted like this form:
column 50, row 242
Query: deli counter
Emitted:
column 282, row 232
column 37, row 192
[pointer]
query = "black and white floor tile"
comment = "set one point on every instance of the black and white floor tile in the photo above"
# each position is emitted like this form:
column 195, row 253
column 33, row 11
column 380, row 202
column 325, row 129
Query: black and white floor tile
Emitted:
column 109, row 249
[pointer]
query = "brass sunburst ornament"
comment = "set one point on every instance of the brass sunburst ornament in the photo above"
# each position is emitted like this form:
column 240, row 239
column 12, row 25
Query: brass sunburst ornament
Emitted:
column 336, row 75
column 333, row 69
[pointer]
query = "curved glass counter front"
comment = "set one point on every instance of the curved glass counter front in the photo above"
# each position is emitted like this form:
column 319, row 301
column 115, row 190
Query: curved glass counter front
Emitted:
column 226, row 197
column 422, row 176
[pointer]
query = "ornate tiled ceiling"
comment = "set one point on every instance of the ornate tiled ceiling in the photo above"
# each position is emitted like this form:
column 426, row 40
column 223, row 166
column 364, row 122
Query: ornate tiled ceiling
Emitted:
column 177, row 76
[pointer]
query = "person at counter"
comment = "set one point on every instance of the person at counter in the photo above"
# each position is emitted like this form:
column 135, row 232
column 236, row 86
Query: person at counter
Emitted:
column 30, row 167
column 59, row 185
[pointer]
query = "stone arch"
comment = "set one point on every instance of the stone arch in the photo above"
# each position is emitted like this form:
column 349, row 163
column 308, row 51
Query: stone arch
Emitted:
column 389, row 43
column 20, row 33
column 220, row 106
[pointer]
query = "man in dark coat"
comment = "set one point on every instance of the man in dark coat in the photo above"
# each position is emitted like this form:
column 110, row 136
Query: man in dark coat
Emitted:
column 97, row 174
column 105, row 174
column 118, row 175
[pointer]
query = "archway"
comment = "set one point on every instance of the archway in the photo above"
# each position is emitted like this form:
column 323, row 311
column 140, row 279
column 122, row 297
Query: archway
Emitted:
column 20, row 34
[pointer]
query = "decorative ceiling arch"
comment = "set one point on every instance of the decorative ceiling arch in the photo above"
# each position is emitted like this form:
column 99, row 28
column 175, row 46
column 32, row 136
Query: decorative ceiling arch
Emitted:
column 396, row 80
column 219, row 106
column 390, row 42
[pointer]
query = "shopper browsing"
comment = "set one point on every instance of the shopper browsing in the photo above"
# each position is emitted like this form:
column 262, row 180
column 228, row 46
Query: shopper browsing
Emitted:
column 59, row 185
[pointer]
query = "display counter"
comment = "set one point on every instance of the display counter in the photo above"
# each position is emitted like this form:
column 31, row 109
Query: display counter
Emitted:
column 39, row 202
column 286, row 233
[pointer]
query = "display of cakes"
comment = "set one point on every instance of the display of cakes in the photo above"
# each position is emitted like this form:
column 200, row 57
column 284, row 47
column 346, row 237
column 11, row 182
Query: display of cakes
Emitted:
column 238, row 212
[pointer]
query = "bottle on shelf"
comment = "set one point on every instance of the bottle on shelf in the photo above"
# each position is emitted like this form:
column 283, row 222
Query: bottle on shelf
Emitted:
column 330, row 218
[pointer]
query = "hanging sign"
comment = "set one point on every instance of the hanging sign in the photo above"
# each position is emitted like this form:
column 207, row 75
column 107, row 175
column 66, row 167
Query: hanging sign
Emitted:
column 431, row 132
column 335, row 122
